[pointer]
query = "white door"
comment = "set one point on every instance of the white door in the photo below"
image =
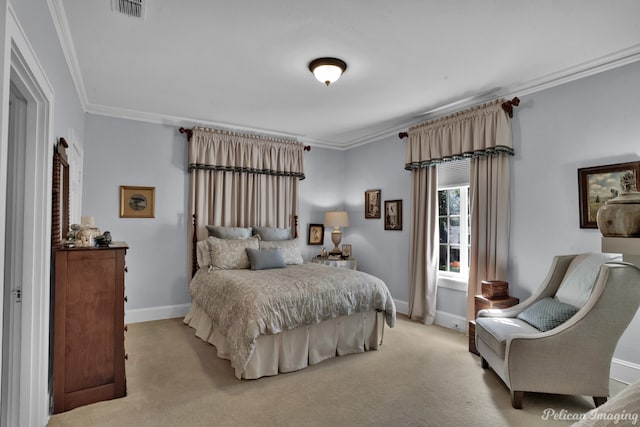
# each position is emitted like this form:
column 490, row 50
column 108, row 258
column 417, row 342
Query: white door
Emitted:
column 14, row 234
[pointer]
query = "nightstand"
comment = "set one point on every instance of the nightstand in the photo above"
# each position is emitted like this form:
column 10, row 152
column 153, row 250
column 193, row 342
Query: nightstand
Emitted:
column 351, row 263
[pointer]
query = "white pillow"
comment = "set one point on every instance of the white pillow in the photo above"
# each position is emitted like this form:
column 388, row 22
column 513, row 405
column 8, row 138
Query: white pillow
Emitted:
column 290, row 250
column 230, row 254
column 581, row 275
column 202, row 254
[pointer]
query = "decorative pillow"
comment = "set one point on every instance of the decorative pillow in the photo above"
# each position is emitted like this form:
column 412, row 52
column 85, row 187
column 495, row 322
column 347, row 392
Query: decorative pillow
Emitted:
column 547, row 313
column 230, row 254
column 581, row 275
column 263, row 259
column 202, row 254
column 289, row 248
column 229, row 232
column 272, row 233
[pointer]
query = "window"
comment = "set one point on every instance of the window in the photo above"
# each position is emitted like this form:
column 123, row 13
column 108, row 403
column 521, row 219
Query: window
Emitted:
column 454, row 224
column 454, row 221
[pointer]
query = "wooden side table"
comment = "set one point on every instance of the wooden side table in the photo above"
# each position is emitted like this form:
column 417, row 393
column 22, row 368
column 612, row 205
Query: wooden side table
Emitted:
column 495, row 295
column 351, row 263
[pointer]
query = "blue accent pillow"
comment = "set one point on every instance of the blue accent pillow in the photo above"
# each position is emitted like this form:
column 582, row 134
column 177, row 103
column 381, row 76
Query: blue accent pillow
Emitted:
column 263, row 259
column 547, row 314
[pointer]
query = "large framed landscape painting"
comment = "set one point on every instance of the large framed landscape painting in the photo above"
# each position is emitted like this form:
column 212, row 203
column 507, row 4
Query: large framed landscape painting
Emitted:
column 598, row 184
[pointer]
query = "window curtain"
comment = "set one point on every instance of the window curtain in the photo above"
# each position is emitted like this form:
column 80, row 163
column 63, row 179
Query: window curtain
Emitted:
column 241, row 180
column 483, row 134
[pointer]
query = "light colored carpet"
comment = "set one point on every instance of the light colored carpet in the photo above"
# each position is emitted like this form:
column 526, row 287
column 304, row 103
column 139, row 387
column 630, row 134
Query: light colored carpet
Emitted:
column 422, row 376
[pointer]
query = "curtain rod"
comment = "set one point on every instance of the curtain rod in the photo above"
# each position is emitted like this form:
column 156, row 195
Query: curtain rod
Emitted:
column 507, row 106
column 189, row 132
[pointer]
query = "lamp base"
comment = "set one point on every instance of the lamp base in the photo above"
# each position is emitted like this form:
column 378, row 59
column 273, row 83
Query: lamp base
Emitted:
column 336, row 238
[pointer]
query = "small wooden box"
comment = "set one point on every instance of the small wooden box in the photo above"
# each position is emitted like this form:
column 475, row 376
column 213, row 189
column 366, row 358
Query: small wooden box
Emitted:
column 495, row 289
column 483, row 302
column 472, row 337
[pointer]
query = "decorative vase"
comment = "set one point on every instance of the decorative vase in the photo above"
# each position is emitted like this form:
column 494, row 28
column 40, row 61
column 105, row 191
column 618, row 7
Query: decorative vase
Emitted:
column 620, row 216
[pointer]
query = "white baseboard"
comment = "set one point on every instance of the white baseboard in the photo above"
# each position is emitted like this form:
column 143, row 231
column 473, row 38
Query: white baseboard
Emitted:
column 156, row 313
column 623, row 371
column 451, row 321
column 402, row 307
column 448, row 320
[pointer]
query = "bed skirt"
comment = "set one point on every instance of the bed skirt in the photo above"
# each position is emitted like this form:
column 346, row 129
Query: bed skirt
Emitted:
column 298, row 348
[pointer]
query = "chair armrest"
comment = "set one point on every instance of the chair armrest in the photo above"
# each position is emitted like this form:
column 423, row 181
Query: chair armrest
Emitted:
column 512, row 311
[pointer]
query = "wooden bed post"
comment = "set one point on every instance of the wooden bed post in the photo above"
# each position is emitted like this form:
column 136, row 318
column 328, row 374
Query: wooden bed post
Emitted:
column 194, row 246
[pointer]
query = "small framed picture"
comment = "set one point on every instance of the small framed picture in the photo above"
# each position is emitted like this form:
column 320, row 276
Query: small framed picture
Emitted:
column 346, row 251
column 137, row 202
column 316, row 234
column 598, row 184
column 372, row 204
column 393, row 215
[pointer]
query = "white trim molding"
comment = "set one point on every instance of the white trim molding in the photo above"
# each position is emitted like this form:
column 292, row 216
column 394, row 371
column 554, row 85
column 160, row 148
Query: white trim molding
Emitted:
column 156, row 313
column 451, row 321
column 21, row 66
column 402, row 307
column 623, row 371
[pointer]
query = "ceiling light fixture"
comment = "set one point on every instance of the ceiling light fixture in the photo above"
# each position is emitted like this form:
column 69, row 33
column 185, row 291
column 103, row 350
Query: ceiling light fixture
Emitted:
column 327, row 70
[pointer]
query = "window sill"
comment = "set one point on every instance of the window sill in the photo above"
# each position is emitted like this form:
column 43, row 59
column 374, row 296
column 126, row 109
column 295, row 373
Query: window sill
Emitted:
column 455, row 283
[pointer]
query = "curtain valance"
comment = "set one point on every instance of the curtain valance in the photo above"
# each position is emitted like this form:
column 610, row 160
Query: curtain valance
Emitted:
column 480, row 131
column 223, row 150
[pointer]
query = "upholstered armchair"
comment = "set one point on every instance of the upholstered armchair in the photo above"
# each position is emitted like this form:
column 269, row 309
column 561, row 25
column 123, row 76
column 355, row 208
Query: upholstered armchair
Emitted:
column 580, row 311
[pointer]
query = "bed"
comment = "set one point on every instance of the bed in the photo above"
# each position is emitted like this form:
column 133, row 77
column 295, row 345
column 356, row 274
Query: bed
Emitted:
column 268, row 312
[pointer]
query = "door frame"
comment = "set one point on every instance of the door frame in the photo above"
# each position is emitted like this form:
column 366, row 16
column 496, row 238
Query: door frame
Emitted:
column 19, row 65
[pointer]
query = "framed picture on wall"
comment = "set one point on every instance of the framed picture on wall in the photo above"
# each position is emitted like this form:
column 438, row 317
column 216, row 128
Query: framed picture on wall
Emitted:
column 137, row 202
column 316, row 234
column 393, row 214
column 372, row 204
column 346, row 251
column 598, row 184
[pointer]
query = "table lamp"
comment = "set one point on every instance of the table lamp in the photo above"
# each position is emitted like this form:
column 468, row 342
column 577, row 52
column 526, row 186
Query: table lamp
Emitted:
column 336, row 219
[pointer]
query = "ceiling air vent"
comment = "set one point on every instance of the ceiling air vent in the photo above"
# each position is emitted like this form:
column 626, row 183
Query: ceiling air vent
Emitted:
column 134, row 8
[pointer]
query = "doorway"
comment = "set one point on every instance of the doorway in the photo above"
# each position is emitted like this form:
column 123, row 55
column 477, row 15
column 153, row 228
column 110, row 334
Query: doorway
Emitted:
column 25, row 223
column 14, row 235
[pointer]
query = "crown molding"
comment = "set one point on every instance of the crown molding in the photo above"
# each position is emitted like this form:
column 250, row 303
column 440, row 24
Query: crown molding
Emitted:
column 61, row 24
column 596, row 66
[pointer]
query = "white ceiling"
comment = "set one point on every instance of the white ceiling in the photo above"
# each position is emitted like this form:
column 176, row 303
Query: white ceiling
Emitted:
column 243, row 64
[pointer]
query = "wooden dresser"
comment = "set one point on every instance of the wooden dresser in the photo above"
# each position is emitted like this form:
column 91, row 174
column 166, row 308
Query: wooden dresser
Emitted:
column 88, row 341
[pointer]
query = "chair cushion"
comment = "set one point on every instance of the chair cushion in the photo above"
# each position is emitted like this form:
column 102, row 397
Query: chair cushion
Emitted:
column 494, row 331
column 547, row 313
column 578, row 282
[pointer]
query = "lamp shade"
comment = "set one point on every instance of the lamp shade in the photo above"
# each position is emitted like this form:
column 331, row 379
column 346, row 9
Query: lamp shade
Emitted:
column 327, row 70
column 336, row 219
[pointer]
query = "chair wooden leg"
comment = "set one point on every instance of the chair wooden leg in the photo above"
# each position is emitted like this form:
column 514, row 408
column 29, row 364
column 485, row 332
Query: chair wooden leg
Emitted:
column 485, row 364
column 516, row 399
column 599, row 400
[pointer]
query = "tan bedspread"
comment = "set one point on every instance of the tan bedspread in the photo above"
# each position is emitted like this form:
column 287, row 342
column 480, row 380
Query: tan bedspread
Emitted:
column 245, row 304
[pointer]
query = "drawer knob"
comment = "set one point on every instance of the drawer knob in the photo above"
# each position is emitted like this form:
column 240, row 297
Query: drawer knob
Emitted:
column 126, row 328
column 126, row 356
column 126, row 299
column 126, row 269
